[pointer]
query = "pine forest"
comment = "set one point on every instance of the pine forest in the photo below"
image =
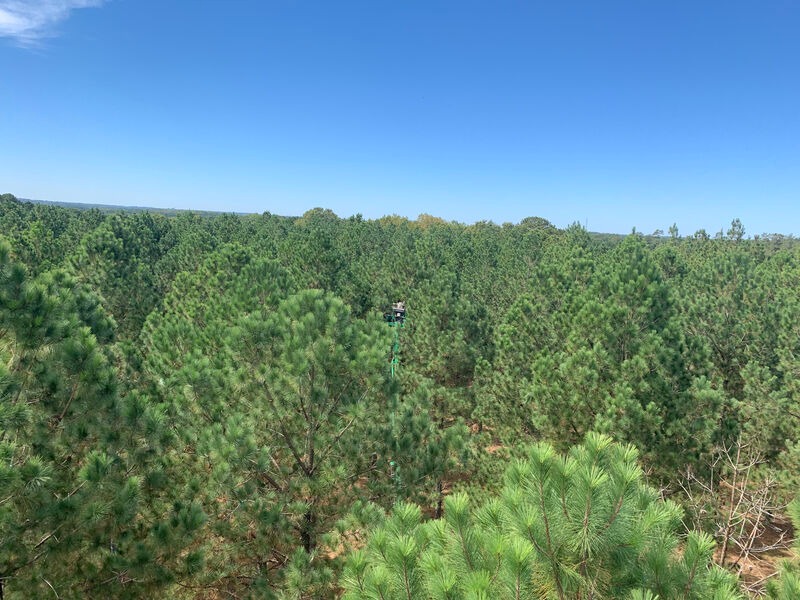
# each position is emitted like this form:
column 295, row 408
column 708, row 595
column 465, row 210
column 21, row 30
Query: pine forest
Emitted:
column 219, row 406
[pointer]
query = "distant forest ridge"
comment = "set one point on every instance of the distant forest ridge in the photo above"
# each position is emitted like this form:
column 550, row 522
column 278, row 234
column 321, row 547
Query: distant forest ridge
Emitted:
column 110, row 208
column 169, row 212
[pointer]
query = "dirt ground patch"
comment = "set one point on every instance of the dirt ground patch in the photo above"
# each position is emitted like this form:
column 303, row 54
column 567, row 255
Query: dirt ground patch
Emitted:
column 771, row 547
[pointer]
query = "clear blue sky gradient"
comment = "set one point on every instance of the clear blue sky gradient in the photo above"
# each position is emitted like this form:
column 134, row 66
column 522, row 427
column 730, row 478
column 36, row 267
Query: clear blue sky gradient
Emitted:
column 614, row 114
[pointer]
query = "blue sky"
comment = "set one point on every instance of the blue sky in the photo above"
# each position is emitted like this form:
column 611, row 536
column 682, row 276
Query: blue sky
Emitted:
column 614, row 114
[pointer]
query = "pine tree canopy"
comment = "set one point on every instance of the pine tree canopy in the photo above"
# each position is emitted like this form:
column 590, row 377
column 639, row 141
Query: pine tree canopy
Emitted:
column 579, row 525
column 199, row 406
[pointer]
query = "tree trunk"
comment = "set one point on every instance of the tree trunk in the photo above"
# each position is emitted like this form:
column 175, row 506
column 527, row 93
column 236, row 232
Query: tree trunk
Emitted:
column 439, row 500
column 307, row 533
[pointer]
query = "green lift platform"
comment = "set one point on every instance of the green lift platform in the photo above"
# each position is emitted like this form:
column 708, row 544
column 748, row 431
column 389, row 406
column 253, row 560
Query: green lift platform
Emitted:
column 396, row 318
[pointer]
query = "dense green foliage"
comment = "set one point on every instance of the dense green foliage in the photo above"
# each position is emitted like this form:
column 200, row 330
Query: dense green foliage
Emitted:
column 202, row 406
column 787, row 586
column 579, row 526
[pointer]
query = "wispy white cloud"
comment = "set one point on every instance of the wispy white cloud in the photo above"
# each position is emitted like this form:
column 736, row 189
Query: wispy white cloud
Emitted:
column 28, row 21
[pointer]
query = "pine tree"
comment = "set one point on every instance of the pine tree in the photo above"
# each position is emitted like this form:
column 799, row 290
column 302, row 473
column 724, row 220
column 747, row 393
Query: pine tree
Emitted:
column 583, row 525
column 118, row 259
column 598, row 346
column 74, row 476
column 287, row 413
